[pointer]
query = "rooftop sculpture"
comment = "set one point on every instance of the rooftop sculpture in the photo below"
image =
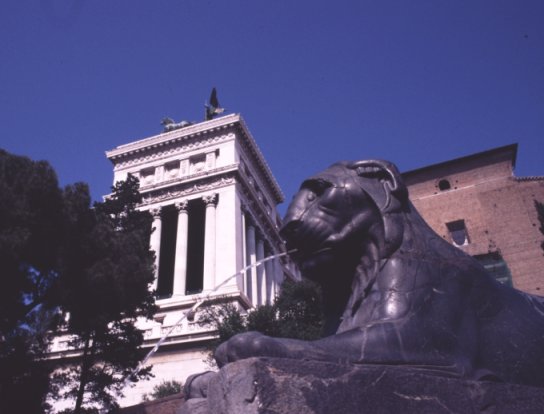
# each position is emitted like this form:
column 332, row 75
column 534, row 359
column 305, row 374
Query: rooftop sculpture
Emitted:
column 170, row 125
column 395, row 292
column 212, row 107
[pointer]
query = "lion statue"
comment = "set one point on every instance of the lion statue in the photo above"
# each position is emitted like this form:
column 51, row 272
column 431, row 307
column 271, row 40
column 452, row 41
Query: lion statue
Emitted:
column 395, row 292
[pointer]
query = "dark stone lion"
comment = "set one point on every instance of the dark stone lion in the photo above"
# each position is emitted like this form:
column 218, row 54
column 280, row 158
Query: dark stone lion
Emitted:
column 395, row 292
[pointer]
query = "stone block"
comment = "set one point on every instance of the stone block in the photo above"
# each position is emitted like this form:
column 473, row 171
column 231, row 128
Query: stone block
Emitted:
column 281, row 386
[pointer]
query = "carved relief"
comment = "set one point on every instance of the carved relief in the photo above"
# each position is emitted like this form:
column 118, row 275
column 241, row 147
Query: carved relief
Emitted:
column 198, row 164
column 184, row 190
column 147, row 176
column 171, row 170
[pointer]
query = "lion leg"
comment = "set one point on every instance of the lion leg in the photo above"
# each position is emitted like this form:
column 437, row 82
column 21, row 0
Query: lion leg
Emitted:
column 255, row 344
column 247, row 345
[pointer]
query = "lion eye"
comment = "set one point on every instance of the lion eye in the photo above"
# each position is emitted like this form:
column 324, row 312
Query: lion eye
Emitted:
column 316, row 187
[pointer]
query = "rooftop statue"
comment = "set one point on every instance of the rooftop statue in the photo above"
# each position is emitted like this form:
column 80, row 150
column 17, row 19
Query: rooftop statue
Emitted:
column 212, row 107
column 395, row 292
column 170, row 125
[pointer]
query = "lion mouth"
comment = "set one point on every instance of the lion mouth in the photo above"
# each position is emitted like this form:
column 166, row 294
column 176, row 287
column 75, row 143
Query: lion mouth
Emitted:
column 301, row 255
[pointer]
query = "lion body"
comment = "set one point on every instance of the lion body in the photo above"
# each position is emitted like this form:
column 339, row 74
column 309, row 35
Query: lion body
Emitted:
column 395, row 292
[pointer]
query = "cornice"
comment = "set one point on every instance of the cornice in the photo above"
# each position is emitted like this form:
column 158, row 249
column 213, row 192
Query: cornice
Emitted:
column 530, row 178
column 168, row 149
column 255, row 207
column 194, row 136
column 254, row 150
column 177, row 135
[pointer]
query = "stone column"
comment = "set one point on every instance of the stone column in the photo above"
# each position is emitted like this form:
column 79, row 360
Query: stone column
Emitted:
column 252, row 272
column 261, row 274
column 244, row 285
column 209, row 242
column 155, row 241
column 180, row 266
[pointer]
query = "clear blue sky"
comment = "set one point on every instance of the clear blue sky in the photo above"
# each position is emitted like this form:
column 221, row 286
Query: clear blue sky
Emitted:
column 415, row 82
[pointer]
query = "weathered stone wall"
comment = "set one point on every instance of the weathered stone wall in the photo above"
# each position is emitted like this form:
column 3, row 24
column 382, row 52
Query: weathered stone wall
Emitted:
column 498, row 210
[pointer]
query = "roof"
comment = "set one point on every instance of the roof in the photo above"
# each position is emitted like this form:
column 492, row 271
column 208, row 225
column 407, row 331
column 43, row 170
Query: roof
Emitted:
column 201, row 128
column 504, row 153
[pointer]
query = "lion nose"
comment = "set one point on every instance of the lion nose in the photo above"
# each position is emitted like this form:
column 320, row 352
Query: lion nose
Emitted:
column 290, row 228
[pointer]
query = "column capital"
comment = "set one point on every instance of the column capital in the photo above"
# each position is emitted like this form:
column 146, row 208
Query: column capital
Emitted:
column 181, row 205
column 155, row 212
column 210, row 199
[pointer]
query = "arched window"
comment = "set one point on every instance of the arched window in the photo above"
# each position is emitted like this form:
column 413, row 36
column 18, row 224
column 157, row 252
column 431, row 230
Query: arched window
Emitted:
column 444, row 185
column 458, row 232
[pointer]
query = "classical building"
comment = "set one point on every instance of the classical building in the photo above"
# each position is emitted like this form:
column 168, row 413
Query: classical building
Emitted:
column 478, row 204
column 213, row 199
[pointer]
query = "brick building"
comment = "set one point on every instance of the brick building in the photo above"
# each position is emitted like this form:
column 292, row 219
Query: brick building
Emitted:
column 478, row 204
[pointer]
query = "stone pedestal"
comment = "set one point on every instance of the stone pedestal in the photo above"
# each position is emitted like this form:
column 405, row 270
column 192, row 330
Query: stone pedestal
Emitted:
column 282, row 386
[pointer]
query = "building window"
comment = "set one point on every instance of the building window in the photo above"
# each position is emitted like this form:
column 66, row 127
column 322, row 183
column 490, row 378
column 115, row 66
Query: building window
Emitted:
column 458, row 232
column 444, row 185
column 496, row 267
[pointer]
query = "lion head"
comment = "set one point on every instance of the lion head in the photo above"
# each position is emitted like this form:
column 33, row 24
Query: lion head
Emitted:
column 337, row 213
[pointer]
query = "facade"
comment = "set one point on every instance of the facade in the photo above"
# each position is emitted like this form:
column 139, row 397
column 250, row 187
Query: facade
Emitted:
column 478, row 204
column 213, row 199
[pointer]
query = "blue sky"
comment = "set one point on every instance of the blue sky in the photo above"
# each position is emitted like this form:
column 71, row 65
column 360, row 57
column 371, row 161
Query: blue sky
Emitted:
column 415, row 82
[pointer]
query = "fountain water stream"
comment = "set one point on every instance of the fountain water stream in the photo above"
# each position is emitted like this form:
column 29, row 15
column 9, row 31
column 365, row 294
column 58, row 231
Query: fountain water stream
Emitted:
column 194, row 308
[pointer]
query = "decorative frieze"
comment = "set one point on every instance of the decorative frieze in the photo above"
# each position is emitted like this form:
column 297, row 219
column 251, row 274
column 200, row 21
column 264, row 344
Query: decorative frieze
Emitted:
column 183, row 190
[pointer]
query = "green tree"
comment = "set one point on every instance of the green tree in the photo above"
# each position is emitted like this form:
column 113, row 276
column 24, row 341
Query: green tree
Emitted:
column 297, row 313
column 61, row 256
column 30, row 241
column 300, row 310
column 106, row 271
column 164, row 389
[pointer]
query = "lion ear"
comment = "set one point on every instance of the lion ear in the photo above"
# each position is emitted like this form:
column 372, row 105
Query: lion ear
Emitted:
column 387, row 173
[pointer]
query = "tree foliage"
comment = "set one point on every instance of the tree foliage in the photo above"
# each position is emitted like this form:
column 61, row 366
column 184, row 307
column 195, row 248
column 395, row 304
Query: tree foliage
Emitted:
column 30, row 242
column 106, row 271
column 164, row 389
column 61, row 256
column 297, row 313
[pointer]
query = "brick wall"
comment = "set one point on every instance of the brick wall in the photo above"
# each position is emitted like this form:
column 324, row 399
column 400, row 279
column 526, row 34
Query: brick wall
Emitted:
column 497, row 208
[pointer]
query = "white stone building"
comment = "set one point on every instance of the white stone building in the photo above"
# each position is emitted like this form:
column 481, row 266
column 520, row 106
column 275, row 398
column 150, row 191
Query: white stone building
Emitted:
column 213, row 199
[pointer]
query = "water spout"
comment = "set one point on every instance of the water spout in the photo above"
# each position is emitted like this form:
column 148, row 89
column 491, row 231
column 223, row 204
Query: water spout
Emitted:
column 194, row 308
